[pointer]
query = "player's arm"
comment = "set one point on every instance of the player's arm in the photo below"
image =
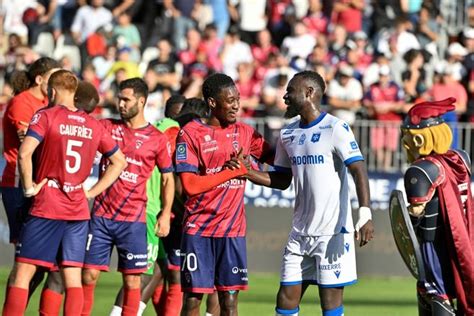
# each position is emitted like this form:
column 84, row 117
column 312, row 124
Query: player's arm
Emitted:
column 25, row 164
column 162, row 228
column 116, row 166
column 364, row 226
column 196, row 184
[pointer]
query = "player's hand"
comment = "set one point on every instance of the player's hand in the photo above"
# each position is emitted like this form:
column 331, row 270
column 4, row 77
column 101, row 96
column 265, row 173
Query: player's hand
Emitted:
column 365, row 233
column 162, row 227
column 35, row 188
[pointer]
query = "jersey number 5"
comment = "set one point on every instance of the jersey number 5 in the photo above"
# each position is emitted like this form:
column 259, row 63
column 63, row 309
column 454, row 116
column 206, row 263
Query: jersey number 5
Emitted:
column 76, row 157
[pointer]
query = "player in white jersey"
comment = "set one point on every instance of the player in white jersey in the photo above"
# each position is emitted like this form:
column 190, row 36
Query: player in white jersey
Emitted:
column 316, row 150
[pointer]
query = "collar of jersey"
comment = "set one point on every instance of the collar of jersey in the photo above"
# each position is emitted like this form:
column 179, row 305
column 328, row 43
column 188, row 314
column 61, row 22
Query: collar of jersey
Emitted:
column 314, row 122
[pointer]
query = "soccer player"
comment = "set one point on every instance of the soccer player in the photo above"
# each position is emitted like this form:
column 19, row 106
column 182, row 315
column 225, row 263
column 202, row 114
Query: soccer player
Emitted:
column 30, row 95
column 86, row 98
column 153, row 277
column 320, row 248
column 64, row 141
column 119, row 213
column 213, row 249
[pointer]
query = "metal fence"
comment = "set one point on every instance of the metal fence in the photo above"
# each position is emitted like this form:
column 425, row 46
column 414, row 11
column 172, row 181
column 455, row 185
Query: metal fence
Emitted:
column 365, row 130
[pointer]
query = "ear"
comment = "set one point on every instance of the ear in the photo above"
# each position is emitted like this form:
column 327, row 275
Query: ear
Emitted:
column 211, row 102
column 142, row 100
column 418, row 140
column 310, row 92
column 38, row 80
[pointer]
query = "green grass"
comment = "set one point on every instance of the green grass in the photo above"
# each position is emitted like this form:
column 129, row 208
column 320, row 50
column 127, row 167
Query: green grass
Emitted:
column 370, row 296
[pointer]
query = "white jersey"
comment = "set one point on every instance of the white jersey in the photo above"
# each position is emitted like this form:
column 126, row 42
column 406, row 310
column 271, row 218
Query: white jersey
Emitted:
column 318, row 154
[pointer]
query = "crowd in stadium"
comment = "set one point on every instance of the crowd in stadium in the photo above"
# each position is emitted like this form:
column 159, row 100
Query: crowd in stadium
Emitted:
column 355, row 59
column 418, row 49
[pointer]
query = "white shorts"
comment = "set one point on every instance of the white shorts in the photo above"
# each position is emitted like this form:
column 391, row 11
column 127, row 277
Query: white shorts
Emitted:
column 328, row 261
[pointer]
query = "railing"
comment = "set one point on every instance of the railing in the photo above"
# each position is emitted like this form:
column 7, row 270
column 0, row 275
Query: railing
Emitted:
column 365, row 131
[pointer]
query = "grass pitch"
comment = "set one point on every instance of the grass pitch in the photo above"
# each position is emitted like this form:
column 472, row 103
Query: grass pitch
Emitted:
column 370, row 296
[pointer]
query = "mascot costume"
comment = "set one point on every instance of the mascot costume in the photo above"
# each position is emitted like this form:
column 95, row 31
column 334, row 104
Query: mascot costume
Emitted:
column 435, row 232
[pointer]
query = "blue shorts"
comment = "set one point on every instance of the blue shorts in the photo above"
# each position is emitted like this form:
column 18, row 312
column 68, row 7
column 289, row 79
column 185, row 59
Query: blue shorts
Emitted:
column 130, row 239
column 17, row 207
column 47, row 242
column 209, row 263
column 172, row 245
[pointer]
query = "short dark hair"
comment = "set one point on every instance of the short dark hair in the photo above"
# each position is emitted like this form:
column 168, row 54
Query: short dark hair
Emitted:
column 22, row 80
column 196, row 106
column 213, row 85
column 138, row 85
column 42, row 66
column 314, row 78
column 86, row 97
column 172, row 101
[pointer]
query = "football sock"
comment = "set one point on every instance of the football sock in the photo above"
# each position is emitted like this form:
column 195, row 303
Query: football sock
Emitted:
column 74, row 301
column 338, row 311
column 88, row 290
column 131, row 302
column 116, row 311
column 50, row 303
column 286, row 312
column 159, row 299
column 141, row 308
column 15, row 302
column 174, row 300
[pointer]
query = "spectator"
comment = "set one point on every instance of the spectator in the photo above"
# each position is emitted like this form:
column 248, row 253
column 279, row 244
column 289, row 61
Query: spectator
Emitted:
column 384, row 101
column 455, row 58
column 166, row 67
column 212, row 46
column 11, row 16
column 181, row 11
column 126, row 35
column 348, row 13
column 124, row 62
column 158, row 94
column 234, row 52
column 414, row 77
column 249, row 89
column 300, row 44
column 337, row 43
column 261, row 52
column 446, row 87
column 274, row 89
column 88, row 19
column 345, row 95
column 316, row 22
column 221, row 17
column 103, row 64
column 428, row 29
column 188, row 55
column 251, row 18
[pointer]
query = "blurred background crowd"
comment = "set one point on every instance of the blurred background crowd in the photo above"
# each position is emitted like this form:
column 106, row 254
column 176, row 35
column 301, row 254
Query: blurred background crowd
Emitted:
column 378, row 57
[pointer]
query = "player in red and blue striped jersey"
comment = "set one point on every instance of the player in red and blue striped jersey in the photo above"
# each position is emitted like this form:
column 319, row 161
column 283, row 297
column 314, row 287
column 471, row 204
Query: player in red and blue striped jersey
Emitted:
column 119, row 212
column 64, row 140
column 213, row 247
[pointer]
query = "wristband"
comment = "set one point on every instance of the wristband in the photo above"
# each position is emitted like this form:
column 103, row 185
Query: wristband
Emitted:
column 29, row 192
column 365, row 215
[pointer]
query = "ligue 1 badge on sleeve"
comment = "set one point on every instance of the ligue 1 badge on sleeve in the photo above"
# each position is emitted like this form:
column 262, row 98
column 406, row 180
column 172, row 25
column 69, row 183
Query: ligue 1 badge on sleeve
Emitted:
column 181, row 151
